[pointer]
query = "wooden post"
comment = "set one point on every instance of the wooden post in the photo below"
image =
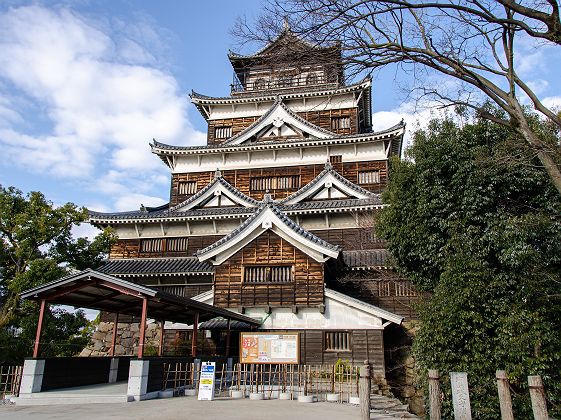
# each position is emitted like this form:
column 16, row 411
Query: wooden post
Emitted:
column 114, row 337
column 194, row 337
column 142, row 328
column 537, row 393
column 505, row 400
column 36, row 347
column 228, row 338
column 364, row 391
column 434, row 395
column 162, row 330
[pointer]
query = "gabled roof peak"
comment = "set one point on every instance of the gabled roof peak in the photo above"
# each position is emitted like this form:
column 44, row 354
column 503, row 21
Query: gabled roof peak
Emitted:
column 268, row 217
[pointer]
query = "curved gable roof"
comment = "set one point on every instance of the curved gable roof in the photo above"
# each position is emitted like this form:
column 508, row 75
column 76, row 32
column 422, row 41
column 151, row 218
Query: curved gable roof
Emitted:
column 329, row 176
column 217, row 186
column 268, row 216
column 278, row 115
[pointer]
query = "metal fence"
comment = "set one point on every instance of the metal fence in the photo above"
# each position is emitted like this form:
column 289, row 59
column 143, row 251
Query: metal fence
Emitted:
column 10, row 380
column 337, row 382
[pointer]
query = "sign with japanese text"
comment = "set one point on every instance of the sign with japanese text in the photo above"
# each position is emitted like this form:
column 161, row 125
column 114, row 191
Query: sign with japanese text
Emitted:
column 206, row 381
column 269, row 347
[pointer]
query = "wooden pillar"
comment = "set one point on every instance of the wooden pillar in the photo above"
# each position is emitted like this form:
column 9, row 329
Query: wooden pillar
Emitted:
column 228, row 331
column 364, row 391
column 142, row 328
column 505, row 400
column 537, row 394
column 114, row 337
column 434, row 395
column 161, row 348
column 36, row 347
column 194, row 336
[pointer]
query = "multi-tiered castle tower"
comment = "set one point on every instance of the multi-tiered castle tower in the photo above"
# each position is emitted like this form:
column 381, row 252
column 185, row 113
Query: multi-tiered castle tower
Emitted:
column 277, row 208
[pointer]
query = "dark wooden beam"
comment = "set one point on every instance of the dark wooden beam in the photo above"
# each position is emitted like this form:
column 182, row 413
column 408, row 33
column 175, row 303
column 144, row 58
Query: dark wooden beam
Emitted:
column 162, row 330
column 195, row 334
column 228, row 338
column 142, row 328
column 36, row 347
column 114, row 337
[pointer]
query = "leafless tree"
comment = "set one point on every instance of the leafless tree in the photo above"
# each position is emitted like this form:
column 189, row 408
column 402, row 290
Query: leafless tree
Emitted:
column 476, row 43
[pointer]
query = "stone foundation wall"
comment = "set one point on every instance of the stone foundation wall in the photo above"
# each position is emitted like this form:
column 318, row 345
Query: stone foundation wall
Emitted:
column 401, row 367
column 127, row 340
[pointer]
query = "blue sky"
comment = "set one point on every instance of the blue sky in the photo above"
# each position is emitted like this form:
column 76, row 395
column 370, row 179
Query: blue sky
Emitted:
column 85, row 85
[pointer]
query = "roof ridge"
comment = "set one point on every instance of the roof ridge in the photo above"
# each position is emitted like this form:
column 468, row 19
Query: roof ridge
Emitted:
column 328, row 170
column 268, row 203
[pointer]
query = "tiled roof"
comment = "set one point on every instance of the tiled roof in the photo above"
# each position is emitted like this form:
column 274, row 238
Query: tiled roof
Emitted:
column 328, row 170
column 278, row 103
column 158, row 147
column 161, row 266
column 366, row 258
column 222, row 324
column 327, row 205
column 268, row 203
column 266, row 95
column 218, row 179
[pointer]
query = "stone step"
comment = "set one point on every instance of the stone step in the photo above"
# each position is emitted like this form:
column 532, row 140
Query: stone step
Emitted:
column 384, row 405
column 390, row 414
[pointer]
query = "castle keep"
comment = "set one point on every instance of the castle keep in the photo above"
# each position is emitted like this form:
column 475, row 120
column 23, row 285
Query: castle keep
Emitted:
column 273, row 217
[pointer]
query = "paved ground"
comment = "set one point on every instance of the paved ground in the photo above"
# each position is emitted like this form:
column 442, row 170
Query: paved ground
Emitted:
column 186, row 407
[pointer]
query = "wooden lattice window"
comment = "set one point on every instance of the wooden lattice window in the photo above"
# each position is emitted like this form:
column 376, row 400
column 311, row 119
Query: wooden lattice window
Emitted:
column 176, row 244
column 339, row 123
column 369, row 177
column 338, row 341
column 187, row 187
column 268, row 274
column 223, row 132
column 404, row 288
column 384, row 288
column 275, row 183
column 151, row 245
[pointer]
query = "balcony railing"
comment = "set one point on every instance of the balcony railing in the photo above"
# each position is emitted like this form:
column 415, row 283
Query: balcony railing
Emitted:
column 285, row 82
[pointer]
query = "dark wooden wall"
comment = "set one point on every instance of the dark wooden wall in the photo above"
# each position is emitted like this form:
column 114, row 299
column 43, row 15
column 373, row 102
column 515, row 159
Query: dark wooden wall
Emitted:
column 349, row 239
column 319, row 118
column 269, row 249
column 240, row 178
column 365, row 345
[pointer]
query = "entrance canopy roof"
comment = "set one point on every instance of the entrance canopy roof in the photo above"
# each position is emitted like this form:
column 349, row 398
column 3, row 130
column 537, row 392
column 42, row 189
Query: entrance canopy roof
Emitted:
column 95, row 290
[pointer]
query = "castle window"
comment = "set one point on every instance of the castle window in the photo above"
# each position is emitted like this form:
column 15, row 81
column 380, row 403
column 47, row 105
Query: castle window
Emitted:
column 268, row 274
column 275, row 183
column 338, row 341
column 338, row 123
column 177, row 244
column 284, row 81
column 312, row 79
column 369, row 177
column 404, row 288
column 223, row 132
column 151, row 245
column 384, row 288
column 187, row 187
column 260, row 84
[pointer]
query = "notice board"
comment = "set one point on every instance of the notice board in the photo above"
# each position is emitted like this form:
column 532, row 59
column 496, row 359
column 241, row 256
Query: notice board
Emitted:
column 266, row 347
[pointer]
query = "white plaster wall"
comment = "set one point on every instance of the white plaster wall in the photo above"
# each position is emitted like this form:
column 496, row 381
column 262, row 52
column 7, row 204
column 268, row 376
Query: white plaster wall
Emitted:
column 285, row 157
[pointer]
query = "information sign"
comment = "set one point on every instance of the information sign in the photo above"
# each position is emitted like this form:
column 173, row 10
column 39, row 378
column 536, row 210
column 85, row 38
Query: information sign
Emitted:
column 206, row 382
column 269, row 347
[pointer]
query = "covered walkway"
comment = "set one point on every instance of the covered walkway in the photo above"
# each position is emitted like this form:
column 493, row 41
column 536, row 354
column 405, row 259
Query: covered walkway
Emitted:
column 94, row 290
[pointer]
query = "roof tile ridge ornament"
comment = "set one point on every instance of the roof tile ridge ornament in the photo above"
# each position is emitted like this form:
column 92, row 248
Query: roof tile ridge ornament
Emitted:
column 328, row 165
column 217, row 173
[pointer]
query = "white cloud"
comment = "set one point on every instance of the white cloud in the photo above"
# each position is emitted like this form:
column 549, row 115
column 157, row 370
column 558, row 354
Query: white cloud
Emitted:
column 99, row 87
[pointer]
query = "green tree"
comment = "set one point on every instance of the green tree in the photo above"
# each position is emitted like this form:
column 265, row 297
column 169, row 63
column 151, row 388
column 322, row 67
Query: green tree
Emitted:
column 474, row 221
column 36, row 247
